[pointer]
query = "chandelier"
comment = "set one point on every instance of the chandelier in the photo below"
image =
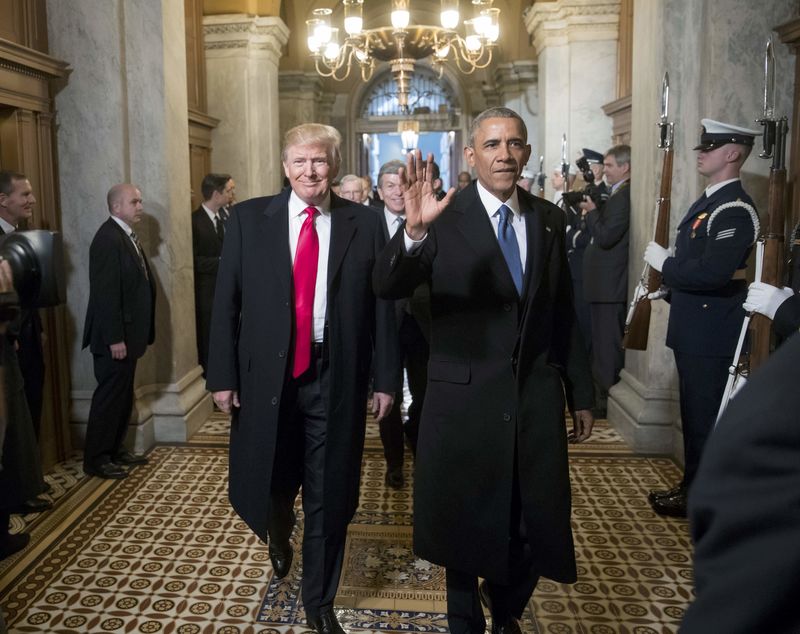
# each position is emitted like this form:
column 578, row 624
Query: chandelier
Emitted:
column 402, row 43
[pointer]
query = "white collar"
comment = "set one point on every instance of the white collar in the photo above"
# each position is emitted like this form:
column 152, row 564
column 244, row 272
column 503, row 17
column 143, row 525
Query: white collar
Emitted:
column 297, row 205
column 491, row 203
column 7, row 226
column 711, row 189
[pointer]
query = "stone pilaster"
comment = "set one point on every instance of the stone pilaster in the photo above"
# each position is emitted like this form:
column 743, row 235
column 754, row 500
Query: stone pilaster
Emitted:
column 300, row 96
column 122, row 118
column 517, row 88
column 717, row 73
column 576, row 47
column 242, row 55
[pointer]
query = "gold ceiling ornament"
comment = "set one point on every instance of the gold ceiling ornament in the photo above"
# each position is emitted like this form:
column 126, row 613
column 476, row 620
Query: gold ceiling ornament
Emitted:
column 403, row 43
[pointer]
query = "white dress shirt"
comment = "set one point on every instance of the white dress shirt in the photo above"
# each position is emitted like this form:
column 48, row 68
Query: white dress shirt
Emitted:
column 492, row 206
column 212, row 216
column 7, row 226
column 393, row 221
column 322, row 223
column 713, row 188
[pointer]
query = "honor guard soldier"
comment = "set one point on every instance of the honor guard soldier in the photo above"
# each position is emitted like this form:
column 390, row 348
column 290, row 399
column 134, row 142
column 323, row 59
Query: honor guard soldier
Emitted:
column 705, row 284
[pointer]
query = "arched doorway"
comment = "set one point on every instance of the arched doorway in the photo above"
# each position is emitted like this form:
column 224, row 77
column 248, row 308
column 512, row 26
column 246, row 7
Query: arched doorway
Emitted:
column 434, row 116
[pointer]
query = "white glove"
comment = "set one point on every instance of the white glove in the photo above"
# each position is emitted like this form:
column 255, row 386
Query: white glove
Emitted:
column 655, row 255
column 661, row 293
column 765, row 298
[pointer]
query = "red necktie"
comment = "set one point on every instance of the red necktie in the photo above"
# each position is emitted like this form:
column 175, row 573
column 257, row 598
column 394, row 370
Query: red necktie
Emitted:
column 304, row 275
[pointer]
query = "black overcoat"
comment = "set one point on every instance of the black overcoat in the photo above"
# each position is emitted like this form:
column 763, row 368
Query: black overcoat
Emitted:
column 494, row 385
column 206, row 250
column 251, row 339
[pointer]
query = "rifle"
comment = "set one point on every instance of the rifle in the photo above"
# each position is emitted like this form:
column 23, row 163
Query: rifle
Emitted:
column 775, row 129
column 541, row 177
column 637, row 323
column 564, row 163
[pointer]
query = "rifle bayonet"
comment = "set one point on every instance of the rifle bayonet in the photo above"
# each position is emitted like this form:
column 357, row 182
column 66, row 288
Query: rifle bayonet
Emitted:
column 665, row 127
column 768, row 112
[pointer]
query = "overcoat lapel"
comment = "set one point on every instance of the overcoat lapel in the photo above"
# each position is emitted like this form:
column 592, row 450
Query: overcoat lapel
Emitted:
column 274, row 227
column 477, row 229
column 342, row 231
column 538, row 244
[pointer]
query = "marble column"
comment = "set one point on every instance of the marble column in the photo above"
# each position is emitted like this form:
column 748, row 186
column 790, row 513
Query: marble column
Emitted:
column 122, row 118
column 300, row 94
column 516, row 87
column 242, row 55
column 713, row 53
column 576, row 48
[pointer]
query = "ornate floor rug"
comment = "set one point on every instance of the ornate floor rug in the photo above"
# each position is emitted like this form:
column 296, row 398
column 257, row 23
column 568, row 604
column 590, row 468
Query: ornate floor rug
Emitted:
column 162, row 551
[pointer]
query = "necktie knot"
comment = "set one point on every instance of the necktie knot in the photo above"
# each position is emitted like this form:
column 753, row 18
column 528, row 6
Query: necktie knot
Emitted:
column 311, row 213
column 504, row 212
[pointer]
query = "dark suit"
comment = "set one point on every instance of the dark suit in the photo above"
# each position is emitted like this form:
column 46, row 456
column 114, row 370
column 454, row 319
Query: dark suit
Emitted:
column 605, row 283
column 121, row 308
column 287, row 431
column 207, row 248
column 492, row 492
column 413, row 323
column 706, row 313
column 744, row 508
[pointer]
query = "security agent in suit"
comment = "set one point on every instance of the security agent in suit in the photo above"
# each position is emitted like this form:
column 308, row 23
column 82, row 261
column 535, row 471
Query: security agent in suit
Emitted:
column 21, row 477
column 413, row 321
column 706, row 285
column 492, row 489
column 120, row 324
column 293, row 331
column 208, row 232
column 744, row 508
column 605, row 270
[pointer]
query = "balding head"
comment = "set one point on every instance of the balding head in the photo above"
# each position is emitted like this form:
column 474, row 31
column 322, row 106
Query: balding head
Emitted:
column 125, row 202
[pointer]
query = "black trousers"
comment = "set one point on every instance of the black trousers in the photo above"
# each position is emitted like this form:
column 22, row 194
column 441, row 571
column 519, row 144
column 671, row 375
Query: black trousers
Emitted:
column 608, row 357
column 110, row 411
column 701, row 384
column 464, row 612
column 414, row 348
column 300, row 461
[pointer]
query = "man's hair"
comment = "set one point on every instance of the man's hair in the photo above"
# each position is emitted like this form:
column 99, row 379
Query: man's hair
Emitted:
column 621, row 154
column 213, row 183
column 347, row 178
column 435, row 170
column 115, row 194
column 390, row 167
column 7, row 180
column 495, row 113
column 315, row 134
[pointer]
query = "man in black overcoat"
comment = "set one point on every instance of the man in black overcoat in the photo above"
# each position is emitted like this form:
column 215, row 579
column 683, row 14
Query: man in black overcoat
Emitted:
column 120, row 324
column 744, row 508
column 208, row 232
column 492, row 491
column 295, row 332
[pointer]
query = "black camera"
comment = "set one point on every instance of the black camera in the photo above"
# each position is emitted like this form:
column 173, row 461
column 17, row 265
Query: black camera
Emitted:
column 593, row 191
column 36, row 259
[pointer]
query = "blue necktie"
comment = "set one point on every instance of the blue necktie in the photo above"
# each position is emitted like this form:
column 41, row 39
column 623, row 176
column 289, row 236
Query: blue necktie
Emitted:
column 510, row 247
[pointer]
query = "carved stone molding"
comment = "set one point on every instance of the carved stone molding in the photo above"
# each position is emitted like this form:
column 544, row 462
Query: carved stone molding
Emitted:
column 245, row 33
column 564, row 21
column 516, row 76
column 292, row 82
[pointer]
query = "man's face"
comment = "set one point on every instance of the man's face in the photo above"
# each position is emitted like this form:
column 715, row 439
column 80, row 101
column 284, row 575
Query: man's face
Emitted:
column 713, row 161
column 353, row 190
column 557, row 179
column 615, row 172
column 229, row 192
column 597, row 170
column 499, row 154
column 391, row 190
column 463, row 180
column 128, row 206
column 18, row 205
column 310, row 172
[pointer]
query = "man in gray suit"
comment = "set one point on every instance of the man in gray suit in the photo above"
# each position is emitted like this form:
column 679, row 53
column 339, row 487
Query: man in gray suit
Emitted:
column 605, row 271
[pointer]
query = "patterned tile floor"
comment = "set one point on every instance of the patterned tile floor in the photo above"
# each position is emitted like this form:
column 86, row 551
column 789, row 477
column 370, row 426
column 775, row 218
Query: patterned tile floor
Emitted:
column 162, row 551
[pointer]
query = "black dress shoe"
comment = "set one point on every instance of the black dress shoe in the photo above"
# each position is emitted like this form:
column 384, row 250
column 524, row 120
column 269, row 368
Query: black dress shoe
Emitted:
column 671, row 505
column 652, row 496
column 326, row 623
column 394, row 478
column 34, row 505
column 107, row 470
column 127, row 458
column 10, row 544
column 281, row 559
